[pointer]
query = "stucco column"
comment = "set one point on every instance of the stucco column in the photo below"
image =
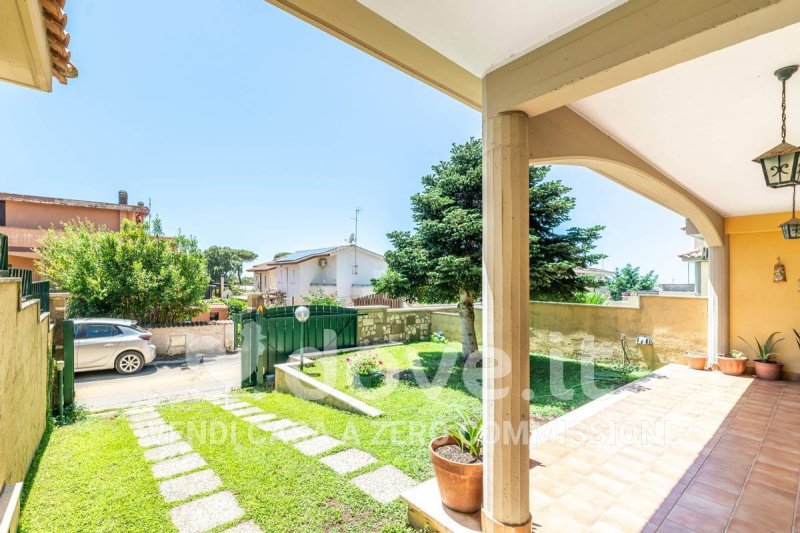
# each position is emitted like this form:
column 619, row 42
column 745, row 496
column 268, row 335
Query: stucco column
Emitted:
column 717, row 302
column 506, row 375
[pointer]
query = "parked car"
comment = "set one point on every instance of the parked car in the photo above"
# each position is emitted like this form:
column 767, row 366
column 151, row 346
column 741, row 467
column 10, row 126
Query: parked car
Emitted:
column 105, row 343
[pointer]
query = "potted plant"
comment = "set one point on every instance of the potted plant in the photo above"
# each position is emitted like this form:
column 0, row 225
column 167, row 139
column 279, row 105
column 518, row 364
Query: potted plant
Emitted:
column 733, row 364
column 367, row 368
column 696, row 361
column 766, row 365
column 458, row 462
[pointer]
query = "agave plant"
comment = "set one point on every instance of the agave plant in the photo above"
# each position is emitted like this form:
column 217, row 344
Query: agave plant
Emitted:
column 468, row 434
column 796, row 337
column 765, row 352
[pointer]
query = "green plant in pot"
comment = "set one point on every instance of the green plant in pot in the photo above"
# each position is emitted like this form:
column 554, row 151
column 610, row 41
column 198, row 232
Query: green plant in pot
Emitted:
column 766, row 365
column 733, row 364
column 367, row 369
column 458, row 462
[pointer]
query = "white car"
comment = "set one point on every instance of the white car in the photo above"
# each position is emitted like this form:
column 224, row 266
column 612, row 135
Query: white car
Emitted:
column 105, row 343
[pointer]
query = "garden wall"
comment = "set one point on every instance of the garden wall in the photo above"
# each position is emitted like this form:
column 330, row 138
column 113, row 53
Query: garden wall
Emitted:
column 24, row 356
column 378, row 324
column 676, row 324
column 192, row 338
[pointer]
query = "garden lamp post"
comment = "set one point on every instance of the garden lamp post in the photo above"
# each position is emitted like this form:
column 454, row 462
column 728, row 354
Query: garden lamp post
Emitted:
column 301, row 314
column 780, row 164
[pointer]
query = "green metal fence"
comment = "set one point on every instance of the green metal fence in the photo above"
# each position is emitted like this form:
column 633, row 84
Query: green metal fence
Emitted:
column 270, row 337
column 41, row 290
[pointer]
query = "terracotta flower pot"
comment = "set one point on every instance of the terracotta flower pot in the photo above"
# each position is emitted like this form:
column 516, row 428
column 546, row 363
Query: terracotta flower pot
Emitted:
column 768, row 371
column 733, row 366
column 461, row 485
column 696, row 362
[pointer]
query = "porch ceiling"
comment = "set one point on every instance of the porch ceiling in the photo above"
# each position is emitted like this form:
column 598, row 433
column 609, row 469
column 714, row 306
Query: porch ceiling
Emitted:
column 506, row 28
column 701, row 122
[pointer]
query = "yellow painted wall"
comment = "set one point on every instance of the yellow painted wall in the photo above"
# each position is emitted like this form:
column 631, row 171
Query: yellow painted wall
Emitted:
column 759, row 306
column 676, row 324
column 24, row 346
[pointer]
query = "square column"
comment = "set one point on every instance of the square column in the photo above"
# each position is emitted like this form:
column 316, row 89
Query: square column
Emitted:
column 717, row 302
column 506, row 360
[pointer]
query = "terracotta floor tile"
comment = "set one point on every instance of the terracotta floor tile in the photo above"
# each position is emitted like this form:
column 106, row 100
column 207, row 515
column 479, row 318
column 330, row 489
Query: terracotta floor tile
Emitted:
column 713, row 493
column 778, row 478
column 584, row 504
column 705, row 506
column 669, row 526
column 697, row 521
column 763, row 519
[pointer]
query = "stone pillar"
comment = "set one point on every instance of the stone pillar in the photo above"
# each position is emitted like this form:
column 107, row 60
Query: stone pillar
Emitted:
column 506, row 376
column 717, row 302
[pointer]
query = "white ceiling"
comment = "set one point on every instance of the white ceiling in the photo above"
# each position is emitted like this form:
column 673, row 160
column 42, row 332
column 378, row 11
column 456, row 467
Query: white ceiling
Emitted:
column 481, row 35
column 703, row 121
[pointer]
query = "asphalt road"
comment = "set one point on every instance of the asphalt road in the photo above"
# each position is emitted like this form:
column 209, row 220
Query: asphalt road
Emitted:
column 159, row 381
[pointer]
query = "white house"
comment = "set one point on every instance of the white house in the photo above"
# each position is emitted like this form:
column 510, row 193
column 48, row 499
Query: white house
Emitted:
column 343, row 270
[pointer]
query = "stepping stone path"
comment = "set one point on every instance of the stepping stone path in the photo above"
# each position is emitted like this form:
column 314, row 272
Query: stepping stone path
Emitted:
column 183, row 474
column 383, row 484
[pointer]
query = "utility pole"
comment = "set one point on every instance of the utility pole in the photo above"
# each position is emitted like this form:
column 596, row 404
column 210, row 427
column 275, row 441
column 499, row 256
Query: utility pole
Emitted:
column 355, row 242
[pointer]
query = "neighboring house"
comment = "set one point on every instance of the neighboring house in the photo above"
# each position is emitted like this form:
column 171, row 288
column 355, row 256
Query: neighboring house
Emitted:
column 343, row 270
column 25, row 218
column 697, row 259
column 599, row 275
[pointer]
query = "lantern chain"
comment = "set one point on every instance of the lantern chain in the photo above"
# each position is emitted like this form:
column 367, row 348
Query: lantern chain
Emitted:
column 794, row 196
column 783, row 111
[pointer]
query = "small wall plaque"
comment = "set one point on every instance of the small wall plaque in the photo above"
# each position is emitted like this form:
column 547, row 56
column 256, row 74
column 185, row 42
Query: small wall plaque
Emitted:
column 779, row 272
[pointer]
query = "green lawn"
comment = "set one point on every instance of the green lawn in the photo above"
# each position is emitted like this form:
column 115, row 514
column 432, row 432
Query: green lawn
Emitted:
column 92, row 476
column 277, row 486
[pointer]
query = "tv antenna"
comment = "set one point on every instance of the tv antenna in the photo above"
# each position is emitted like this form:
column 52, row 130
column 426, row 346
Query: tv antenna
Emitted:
column 354, row 241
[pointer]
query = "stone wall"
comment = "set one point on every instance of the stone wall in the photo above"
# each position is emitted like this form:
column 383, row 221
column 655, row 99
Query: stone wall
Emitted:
column 193, row 338
column 677, row 325
column 378, row 324
column 24, row 358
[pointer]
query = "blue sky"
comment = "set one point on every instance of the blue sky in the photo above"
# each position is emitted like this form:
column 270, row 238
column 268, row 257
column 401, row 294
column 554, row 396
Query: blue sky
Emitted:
column 247, row 127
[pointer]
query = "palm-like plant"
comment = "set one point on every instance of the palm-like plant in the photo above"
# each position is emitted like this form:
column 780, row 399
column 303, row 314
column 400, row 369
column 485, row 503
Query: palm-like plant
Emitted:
column 468, row 434
column 764, row 352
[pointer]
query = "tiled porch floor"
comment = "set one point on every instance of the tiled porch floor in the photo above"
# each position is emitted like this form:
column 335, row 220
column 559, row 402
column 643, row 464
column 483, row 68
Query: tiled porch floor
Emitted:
column 682, row 450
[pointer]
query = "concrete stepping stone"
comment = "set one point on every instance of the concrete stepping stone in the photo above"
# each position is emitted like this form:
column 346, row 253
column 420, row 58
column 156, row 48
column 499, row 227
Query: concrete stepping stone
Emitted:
column 294, row 433
column 317, row 445
column 160, row 439
column 148, row 423
column 152, row 430
column 143, row 416
column 348, row 460
column 183, row 487
column 140, row 411
column 265, row 417
column 206, row 513
column 235, row 405
column 384, row 484
column 277, row 425
column 244, row 527
column 169, row 450
column 178, row 465
column 222, row 400
column 247, row 411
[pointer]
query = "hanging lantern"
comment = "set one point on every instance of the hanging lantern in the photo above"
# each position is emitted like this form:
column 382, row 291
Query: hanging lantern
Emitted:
column 791, row 228
column 780, row 164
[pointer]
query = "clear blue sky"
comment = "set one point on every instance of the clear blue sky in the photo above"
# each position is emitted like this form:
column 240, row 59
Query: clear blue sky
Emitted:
column 249, row 128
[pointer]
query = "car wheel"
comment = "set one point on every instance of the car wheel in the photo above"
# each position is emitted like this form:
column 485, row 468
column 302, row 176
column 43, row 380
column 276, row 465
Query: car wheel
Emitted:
column 129, row 363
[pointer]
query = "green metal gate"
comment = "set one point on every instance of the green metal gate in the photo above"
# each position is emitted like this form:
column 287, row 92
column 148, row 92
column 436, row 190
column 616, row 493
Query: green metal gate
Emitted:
column 270, row 337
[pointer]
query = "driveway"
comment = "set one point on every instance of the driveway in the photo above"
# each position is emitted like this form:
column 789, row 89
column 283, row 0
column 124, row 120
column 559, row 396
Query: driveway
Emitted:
column 160, row 381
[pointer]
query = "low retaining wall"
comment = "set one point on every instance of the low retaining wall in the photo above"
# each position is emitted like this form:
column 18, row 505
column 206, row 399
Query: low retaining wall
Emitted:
column 192, row 338
column 676, row 324
column 289, row 379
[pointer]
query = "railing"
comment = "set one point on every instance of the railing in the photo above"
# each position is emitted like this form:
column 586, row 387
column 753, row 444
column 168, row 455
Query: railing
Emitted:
column 30, row 288
column 378, row 299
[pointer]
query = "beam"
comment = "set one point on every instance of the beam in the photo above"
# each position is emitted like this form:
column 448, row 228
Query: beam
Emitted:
column 638, row 38
column 353, row 23
column 564, row 137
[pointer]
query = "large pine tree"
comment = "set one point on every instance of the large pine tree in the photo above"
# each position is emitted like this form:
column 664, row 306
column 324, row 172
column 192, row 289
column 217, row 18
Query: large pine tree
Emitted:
column 440, row 261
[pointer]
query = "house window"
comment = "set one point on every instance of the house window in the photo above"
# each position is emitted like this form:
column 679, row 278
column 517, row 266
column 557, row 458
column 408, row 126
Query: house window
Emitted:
column 2, row 212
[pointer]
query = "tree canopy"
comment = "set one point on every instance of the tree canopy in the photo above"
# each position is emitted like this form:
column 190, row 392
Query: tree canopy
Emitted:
column 440, row 260
column 127, row 274
column 225, row 261
column 628, row 278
